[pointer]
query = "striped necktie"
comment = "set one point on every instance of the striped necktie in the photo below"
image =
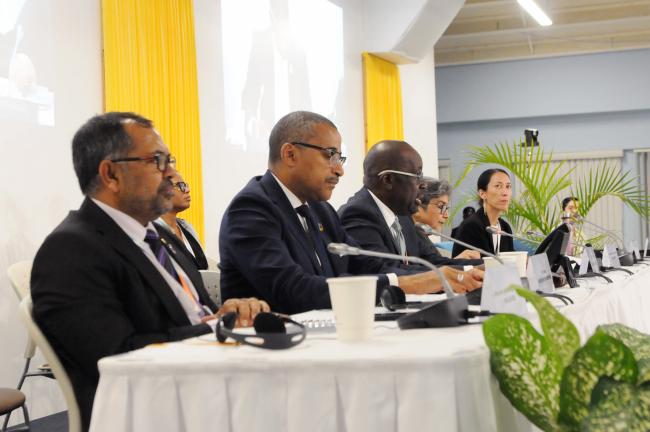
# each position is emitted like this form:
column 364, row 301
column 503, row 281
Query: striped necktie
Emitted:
column 153, row 240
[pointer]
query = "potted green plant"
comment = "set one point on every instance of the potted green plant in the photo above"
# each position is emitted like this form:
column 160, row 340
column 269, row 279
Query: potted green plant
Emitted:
column 537, row 207
column 560, row 386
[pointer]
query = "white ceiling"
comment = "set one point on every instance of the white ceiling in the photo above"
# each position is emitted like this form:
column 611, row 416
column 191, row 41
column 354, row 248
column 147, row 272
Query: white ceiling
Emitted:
column 493, row 30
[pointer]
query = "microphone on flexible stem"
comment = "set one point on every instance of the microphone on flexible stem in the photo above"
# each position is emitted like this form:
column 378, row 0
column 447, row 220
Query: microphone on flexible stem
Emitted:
column 611, row 233
column 493, row 230
column 467, row 245
column 626, row 258
column 446, row 313
column 534, row 234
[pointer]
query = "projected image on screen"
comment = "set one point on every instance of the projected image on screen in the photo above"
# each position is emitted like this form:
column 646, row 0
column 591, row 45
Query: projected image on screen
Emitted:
column 278, row 56
column 25, row 58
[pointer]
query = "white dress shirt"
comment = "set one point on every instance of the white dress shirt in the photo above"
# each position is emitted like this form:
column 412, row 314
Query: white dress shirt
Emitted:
column 295, row 202
column 137, row 233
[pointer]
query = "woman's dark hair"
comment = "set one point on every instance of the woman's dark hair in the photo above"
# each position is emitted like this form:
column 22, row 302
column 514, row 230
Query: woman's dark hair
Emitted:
column 468, row 211
column 484, row 180
column 567, row 200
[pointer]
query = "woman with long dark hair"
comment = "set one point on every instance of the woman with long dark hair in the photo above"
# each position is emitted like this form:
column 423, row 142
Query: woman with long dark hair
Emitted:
column 494, row 192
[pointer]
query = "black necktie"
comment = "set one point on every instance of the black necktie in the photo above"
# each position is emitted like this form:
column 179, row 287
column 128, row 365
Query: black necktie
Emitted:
column 313, row 234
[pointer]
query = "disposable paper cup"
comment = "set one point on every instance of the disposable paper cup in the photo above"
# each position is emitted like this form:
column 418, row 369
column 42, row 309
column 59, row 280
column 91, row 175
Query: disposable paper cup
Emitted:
column 520, row 259
column 353, row 303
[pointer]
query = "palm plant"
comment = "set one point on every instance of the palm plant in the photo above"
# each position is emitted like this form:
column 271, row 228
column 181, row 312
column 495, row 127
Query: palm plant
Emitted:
column 537, row 207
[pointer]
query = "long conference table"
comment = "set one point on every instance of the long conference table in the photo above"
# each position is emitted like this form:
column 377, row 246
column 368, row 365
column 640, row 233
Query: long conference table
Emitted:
column 424, row 380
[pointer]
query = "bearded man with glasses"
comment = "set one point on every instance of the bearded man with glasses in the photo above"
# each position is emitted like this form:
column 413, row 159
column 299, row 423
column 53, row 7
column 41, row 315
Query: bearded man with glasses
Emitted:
column 274, row 234
column 103, row 282
column 379, row 215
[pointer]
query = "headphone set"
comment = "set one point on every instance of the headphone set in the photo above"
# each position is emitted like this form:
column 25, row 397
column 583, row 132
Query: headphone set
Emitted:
column 270, row 331
column 393, row 298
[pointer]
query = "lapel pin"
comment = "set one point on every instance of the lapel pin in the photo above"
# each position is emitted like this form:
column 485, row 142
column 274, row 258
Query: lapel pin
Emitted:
column 168, row 245
column 320, row 227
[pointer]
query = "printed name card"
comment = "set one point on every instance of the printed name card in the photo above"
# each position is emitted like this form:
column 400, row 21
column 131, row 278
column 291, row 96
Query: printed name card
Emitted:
column 539, row 274
column 498, row 295
column 589, row 259
column 610, row 256
column 634, row 247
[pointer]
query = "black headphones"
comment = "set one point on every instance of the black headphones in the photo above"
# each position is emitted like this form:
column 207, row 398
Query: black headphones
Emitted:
column 393, row 298
column 270, row 331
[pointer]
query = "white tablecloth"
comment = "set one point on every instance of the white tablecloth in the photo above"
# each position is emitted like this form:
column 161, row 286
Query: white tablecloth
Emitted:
column 415, row 380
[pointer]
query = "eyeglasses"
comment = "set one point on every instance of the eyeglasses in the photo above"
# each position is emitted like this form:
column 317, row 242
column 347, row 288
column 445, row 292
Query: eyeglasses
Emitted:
column 444, row 208
column 419, row 176
column 182, row 186
column 163, row 161
column 336, row 157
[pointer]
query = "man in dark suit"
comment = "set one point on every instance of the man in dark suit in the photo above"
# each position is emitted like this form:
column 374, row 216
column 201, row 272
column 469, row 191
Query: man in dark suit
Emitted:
column 379, row 215
column 102, row 283
column 275, row 231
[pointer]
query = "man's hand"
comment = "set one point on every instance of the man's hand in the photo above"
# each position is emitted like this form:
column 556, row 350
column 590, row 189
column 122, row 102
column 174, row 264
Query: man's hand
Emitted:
column 247, row 310
column 428, row 282
column 468, row 254
column 464, row 281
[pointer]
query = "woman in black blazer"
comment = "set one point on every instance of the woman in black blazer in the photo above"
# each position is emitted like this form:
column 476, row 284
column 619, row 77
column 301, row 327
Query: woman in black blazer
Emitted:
column 494, row 191
column 184, row 236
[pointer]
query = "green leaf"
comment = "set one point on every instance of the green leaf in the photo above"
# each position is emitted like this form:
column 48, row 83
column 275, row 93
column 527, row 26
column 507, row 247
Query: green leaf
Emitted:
column 602, row 355
column 542, row 182
column 637, row 342
column 617, row 406
column 560, row 333
column 527, row 369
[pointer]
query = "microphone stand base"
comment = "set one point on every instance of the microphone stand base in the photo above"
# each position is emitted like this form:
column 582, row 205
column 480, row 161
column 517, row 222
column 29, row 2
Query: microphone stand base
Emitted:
column 451, row 312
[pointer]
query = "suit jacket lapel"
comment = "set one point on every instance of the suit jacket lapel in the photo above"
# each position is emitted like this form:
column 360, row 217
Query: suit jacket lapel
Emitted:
column 173, row 246
column 295, row 229
column 123, row 244
column 381, row 221
column 486, row 223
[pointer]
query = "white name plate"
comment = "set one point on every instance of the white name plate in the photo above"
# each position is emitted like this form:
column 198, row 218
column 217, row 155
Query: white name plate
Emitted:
column 610, row 256
column 634, row 247
column 497, row 296
column 539, row 274
column 587, row 260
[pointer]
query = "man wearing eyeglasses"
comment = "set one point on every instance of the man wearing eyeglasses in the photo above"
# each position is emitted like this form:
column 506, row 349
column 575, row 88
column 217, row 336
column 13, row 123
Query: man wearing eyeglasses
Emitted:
column 379, row 215
column 275, row 232
column 102, row 282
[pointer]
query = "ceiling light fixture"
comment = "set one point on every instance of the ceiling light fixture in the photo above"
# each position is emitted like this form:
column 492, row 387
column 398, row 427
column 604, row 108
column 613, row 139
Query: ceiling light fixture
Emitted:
column 536, row 12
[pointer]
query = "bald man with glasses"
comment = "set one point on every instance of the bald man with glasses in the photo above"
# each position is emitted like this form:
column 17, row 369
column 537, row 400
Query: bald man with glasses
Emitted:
column 274, row 234
column 379, row 215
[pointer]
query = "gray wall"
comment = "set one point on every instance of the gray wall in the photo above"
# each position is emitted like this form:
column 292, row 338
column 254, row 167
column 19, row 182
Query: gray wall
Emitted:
column 579, row 103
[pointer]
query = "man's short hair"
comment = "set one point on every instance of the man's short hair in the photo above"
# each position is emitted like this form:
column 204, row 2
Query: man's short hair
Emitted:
column 294, row 127
column 101, row 137
column 567, row 200
column 433, row 189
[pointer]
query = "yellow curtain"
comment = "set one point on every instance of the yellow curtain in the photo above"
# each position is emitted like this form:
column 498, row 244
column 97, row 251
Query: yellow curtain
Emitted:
column 150, row 69
column 382, row 99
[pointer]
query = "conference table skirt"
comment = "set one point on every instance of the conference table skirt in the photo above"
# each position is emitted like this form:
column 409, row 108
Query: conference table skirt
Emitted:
column 416, row 380
column 400, row 381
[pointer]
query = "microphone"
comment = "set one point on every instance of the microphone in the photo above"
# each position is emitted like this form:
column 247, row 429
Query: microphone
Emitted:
column 342, row 249
column 493, row 230
column 467, row 245
column 612, row 233
column 446, row 313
